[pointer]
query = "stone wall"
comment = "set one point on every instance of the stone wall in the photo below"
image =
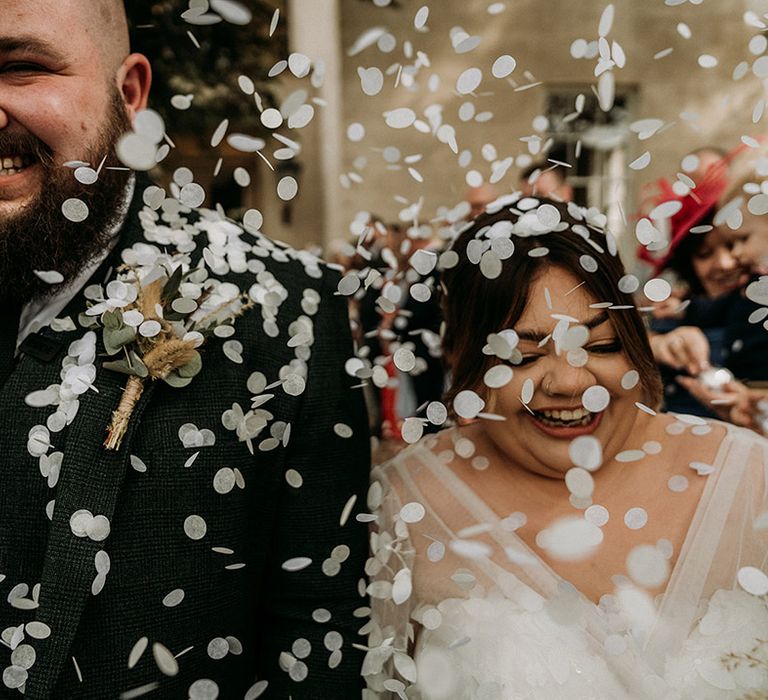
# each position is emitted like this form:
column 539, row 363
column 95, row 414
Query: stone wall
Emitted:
column 538, row 34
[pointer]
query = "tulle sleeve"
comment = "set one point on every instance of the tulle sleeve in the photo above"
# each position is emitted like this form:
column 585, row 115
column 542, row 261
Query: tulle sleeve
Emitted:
column 722, row 586
column 388, row 668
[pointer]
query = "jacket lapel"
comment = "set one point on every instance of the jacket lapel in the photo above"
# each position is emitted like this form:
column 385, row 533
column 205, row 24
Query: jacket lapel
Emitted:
column 91, row 479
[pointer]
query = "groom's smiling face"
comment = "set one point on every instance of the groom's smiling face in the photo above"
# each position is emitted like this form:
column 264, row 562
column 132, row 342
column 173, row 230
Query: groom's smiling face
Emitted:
column 68, row 90
column 55, row 94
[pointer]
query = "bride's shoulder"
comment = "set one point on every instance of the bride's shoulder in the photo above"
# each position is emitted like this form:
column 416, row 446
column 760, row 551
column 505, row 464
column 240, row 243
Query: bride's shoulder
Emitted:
column 705, row 441
column 728, row 435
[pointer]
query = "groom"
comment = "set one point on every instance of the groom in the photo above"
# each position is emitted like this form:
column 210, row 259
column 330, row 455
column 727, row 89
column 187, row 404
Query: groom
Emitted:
column 216, row 553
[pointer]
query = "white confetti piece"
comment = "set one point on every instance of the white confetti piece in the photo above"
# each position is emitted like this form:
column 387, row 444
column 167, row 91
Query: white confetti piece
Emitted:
column 287, row 188
column 400, row 118
column 299, row 64
column 412, row 512
column 586, row 452
column 164, row 659
column 597, row 515
column 371, row 80
column 469, row 81
column 355, row 132
column 657, row 289
column 595, row 399
column 606, row 21
column 635, row 518
column 647, row 566
column 296, row 563
column 526, row 394
column 420, row 20
column 570, row 539
column 49, row 276
column 753, row 580
column 503, row 66
column 641, row 162
column 468, row 404
column 195, row 527
column 498, row 376
column 75, row 210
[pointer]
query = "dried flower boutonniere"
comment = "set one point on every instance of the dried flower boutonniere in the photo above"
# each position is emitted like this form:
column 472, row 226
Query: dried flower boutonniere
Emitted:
column 157, row 323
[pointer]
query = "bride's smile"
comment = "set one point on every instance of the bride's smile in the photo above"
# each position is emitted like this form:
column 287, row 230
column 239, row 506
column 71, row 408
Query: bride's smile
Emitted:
column 566, row 380
column 565, row 423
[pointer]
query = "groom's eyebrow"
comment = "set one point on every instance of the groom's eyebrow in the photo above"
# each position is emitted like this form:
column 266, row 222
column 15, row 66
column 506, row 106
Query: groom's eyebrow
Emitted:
column 30, row 45
column 537, row 335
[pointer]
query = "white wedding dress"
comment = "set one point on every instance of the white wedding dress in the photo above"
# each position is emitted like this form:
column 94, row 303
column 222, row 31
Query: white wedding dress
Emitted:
column 463, row 608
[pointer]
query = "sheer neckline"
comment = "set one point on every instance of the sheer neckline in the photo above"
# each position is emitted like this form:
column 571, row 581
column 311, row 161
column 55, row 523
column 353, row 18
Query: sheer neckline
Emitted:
column 470, row 576
column 484, row 513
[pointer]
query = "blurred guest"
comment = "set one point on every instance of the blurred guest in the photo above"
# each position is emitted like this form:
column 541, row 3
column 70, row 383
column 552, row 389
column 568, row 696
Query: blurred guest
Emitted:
column 479, row 198
column 376, row 261
column 740, row 217
column 704, row 157
column 420, row 325
column 703, row 260
column 695, row 165
column 742, row 311
column 394, row 308
column 546, row 180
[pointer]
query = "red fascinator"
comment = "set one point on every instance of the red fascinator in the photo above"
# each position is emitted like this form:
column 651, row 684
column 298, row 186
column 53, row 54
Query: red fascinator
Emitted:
column 694, row 208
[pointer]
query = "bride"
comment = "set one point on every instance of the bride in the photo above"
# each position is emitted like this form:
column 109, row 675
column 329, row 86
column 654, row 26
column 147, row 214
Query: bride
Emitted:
column 564, row 540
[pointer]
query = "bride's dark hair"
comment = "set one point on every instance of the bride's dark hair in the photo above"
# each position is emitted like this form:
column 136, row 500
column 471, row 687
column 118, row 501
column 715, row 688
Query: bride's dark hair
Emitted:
column 475, row 306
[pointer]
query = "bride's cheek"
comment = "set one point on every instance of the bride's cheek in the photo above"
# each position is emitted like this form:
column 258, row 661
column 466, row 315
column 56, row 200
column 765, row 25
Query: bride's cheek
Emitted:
column 505, row 401
column 609, row 368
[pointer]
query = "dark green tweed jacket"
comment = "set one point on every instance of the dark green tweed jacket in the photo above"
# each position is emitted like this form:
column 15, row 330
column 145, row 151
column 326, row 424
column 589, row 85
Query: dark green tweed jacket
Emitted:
column 243, row 619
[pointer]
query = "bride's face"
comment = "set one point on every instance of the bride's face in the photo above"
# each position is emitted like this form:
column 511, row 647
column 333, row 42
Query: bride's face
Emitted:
column 536, row 435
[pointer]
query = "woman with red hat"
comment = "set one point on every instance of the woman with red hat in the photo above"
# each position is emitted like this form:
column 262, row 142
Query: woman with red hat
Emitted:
column 683, row 339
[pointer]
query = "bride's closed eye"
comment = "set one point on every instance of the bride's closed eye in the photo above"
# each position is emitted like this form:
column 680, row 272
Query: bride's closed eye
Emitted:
column 605, row 348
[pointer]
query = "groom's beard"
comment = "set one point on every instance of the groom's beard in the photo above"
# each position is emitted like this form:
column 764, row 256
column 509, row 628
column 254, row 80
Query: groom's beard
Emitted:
column 40, row 237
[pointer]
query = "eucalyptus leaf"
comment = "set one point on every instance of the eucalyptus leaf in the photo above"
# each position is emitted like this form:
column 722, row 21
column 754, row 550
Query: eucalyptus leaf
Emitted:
column 112, row 320
column 116, row 339
column 174, row 380
column 86, row 321
column 139, row 367
column 122, row 367
column 171, row 287
column 192, row 367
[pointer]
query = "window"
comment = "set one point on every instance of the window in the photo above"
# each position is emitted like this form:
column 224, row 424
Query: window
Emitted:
column 594, row 143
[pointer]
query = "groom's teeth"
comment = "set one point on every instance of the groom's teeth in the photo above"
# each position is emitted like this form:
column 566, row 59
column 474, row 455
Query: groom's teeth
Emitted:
column 13, row 164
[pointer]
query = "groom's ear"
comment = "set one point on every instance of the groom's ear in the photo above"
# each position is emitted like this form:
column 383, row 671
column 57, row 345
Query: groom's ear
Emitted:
column 134, row 78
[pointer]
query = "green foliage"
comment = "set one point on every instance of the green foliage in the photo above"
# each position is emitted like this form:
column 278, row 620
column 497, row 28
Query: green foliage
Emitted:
column 210, row 72
column 116, row 334
column 175, row 380
column 192, row 368
column 172, row 285
column 132, row 365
